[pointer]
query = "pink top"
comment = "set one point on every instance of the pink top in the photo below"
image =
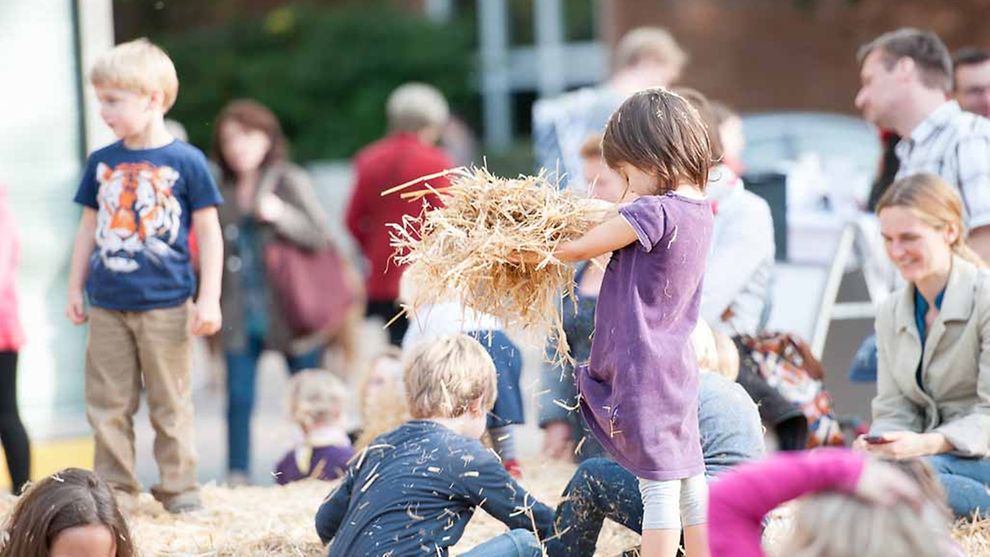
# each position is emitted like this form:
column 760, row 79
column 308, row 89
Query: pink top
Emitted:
column 740, row 499
column 11, row 334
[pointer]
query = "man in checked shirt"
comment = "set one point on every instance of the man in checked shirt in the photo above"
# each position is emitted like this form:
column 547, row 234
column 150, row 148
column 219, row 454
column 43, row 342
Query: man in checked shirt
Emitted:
column 906, row 84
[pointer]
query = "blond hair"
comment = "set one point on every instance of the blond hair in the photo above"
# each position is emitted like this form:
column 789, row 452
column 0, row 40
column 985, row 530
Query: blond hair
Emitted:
column 728, row 356
column 139, row 66
column 416, row 106
column 445, row 376
column 703, row 343
column 936, row 203
column 316, row 395
column 649, row 42
column 388, row 409
column 840, row 525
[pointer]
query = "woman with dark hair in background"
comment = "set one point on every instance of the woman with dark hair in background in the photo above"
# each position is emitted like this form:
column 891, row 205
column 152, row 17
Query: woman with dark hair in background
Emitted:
column 267, row 198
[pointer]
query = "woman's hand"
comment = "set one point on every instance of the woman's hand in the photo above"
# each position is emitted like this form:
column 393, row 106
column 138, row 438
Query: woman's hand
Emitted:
column 884, row 484
column 269, row 207
column 901, row 445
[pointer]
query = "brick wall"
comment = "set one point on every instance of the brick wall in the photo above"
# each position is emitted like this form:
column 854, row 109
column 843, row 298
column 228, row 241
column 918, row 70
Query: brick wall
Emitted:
column 789, row 54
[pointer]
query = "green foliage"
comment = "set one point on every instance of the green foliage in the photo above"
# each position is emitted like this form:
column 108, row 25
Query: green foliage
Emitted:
column 325, row 73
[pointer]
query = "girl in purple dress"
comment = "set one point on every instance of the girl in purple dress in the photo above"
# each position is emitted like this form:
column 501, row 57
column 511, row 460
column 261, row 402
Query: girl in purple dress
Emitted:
column 316, row 400
column 639, row 391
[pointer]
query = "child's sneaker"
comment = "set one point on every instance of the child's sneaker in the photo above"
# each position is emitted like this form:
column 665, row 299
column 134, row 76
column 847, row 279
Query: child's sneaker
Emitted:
column 512, row 467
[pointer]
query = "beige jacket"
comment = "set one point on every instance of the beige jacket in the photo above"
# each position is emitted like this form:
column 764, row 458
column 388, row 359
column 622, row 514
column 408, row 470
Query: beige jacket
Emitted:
column 955, row 368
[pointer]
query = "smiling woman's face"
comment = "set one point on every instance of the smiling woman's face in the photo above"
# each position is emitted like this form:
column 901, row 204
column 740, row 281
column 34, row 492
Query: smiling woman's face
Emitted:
column 916, row 248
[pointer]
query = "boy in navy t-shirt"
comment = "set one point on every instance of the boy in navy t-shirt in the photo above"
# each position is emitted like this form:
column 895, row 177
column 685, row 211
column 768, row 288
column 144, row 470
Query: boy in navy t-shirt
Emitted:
column 414, row 489
column 140, row 196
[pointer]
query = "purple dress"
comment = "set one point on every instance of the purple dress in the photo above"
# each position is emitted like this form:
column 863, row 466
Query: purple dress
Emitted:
column 304, row 461
column 639, row 391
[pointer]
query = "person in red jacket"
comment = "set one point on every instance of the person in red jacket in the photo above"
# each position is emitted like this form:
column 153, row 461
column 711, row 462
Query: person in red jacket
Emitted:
column 416, row 114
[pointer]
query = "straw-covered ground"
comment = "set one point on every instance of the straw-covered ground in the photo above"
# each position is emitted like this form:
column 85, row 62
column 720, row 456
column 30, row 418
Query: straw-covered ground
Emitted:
column 276, row 520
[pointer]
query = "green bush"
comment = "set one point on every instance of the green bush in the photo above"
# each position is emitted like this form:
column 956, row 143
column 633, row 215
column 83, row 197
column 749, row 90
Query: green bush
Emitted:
column 325, row 73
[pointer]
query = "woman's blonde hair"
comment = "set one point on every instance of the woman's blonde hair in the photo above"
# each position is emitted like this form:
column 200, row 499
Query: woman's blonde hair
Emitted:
column 936, row 203
column 316, row 395
column 842, row 525
column 445, row 376
column 389, row 408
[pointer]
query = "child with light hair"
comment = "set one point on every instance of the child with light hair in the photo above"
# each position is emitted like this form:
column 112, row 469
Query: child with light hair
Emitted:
column 316, row 402
column 446, row 317
column 381, row 397
column 851, row 505
column 131, row 262
column 414, row 489
column 728, row 355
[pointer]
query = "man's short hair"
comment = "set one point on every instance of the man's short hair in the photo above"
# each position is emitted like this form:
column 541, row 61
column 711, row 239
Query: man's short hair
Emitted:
column 924, row 47
column 969, row 56
column 139, row 66
column 445, row 376
column 414, row 107
column 648, row 42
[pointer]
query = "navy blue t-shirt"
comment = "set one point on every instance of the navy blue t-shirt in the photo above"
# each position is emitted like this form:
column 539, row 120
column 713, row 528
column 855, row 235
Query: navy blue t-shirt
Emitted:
column 144, row 200
column 414, row 490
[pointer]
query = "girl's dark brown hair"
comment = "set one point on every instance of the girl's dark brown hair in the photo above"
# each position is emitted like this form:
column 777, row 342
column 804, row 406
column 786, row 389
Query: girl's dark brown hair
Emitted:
column 706, row 111
column 255, row 116
column 70, row 498
column 660, row 133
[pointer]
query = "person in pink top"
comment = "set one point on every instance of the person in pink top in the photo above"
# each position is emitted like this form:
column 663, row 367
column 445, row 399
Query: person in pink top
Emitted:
column 856, row 506
column 16, row 447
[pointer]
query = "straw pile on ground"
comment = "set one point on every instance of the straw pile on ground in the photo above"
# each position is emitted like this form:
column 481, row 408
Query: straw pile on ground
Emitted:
column 472, row 249
column 278, row 521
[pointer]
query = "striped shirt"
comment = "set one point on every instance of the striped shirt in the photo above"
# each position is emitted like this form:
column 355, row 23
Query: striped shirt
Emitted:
column 956, row 146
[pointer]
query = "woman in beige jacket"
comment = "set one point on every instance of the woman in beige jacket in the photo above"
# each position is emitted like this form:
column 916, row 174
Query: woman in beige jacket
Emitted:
column 933, row 340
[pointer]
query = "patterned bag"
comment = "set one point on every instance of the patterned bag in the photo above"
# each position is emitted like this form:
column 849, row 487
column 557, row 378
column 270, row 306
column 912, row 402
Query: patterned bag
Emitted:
column 786, row 364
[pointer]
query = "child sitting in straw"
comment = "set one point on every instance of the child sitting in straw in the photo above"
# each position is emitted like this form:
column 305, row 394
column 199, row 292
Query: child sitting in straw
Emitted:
column 382, row 397
column 447, row 317
column 72, row 512
column 413, row 491
column 639, row 392
column 316, row 400
column 856, row 506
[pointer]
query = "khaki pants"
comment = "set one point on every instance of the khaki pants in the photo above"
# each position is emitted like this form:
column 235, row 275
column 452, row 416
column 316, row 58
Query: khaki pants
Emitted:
column 124, row 349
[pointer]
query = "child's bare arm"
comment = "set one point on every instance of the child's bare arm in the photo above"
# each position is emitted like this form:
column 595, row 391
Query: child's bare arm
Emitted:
column 207, row 318
column 75, row 308
column 607, row 237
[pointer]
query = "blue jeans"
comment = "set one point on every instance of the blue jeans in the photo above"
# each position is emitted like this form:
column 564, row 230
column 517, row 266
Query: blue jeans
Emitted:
column 864, row 365
column 599, row 489
column 242, row 370
column 515, row 543
column 965, row 481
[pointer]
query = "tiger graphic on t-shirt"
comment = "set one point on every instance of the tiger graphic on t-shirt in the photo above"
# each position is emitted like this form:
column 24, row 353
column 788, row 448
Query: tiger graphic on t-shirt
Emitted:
column 137, row 214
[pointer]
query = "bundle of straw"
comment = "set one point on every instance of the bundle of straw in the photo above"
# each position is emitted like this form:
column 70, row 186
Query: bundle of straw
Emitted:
column 491, row 245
